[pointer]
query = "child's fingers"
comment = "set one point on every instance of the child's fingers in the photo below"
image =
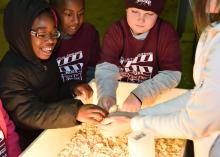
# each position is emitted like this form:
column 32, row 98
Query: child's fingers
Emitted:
column 96, row 116
column 107, row 121
column 92, row 121
column 100, row 111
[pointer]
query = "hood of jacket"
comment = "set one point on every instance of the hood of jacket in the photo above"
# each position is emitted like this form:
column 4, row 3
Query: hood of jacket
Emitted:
column 18, row 18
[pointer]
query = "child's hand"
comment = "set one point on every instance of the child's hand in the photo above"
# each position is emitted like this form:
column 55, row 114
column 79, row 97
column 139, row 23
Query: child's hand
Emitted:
column 115, row 126
column 91, row 114
column 122, row 114
column 83, row 92
column 131, row 104
column 107, row 102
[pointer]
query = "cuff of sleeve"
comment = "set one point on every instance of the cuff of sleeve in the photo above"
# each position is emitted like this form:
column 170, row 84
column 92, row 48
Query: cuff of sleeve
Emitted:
column 137, row 123
column 139, row 93
column 78, row 104
column 137, row 97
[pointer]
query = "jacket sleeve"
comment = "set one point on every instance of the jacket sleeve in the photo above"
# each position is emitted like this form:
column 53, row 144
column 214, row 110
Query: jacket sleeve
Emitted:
column 106, row 76
column 160, row 83
column 200, row 116
column 29, row 111
column 13, row 148
column 170, row 106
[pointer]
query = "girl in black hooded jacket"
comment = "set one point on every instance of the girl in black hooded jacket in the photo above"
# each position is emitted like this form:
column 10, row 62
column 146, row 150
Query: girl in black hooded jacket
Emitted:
column 30, row 84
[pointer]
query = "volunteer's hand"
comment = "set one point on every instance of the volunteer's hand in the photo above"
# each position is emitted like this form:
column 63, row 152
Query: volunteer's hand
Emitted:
column 131, row 104
column 122, row 114
column 91, row 114
column 107, row 102
column 83, row 92
column 115, row 126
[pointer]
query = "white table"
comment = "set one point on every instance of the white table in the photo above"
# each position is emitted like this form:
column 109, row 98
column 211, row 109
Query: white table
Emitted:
column 51, row 141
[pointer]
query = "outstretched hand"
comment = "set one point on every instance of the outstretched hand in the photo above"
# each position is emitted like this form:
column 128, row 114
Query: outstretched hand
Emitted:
column 115, row 126
column 91, row 114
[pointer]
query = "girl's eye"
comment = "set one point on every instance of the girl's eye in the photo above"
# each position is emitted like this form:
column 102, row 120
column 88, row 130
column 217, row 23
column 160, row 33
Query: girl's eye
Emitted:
column 42, row 35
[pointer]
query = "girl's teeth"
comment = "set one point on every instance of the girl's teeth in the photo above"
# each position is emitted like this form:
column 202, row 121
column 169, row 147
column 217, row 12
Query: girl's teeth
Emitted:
column 47, row 49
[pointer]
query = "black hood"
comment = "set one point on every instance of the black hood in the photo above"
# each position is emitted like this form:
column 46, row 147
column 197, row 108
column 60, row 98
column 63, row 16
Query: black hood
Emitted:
column 18, row 18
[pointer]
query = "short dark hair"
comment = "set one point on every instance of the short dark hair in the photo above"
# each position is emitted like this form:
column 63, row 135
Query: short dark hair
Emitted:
column 46, row 11
column 56, row 3
column 50, row 12
column 59, row 3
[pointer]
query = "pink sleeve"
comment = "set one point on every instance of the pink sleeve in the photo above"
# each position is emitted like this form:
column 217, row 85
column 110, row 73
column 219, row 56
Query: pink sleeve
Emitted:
column 12, row 138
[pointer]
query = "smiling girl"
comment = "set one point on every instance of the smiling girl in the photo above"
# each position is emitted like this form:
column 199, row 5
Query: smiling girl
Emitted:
column 30, row 85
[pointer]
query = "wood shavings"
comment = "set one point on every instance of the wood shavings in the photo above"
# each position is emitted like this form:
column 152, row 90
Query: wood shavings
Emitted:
column 169, row 147
column 88, row 142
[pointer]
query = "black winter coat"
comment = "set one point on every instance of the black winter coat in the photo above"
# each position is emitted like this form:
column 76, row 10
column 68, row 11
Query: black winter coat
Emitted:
column 32, row 90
